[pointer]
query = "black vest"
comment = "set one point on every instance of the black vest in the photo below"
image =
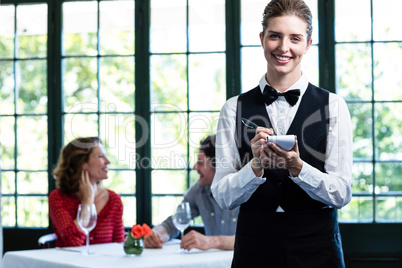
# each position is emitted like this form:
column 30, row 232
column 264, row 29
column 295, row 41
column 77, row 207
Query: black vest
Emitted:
column 311, row 127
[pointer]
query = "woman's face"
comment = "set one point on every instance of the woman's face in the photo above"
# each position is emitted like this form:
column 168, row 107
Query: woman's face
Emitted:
column 285, row 43
column 97, row 164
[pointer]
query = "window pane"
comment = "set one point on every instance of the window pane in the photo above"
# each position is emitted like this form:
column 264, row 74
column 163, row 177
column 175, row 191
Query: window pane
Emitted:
column 80, row 125
column 169, row 81
column 6, row 31
column 7, row 183
column 7, row 144
column 32, row 182
column 8, row 211
column 32, row 148
column 168, row 26
column 251, row 17
column 353, row 71
column 254, row 66
column 362, row 124
column 387, row 19
column 33, row 212
column 388, row 82
column 7, row 87
column 80, row 84
column 80, row 28
column 207, row 78
column 386, row 209
column 388, row 177
column 169, row 140
column 120, row 181
column 118, row 137
column 312, row 4
column 32, row 86
column 32, row 30
column 360, row 209
column 310, row 65
column 362, row 178
column 399, row 208
column 129, row 211
column 389, row 131
column 117, row 27
column 169, row 181
column 206, row 23
column 163, row 207
column 351, row 25
column 117, row 84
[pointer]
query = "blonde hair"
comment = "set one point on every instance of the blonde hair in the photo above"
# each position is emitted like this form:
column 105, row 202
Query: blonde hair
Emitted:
column 278, row 8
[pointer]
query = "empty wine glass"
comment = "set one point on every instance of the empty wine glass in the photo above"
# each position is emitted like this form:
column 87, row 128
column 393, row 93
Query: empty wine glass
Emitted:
column 182, row 218
column 86, row 217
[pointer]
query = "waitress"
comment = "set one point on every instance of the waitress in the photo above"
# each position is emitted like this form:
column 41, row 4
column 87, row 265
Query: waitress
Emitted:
column 288, row 199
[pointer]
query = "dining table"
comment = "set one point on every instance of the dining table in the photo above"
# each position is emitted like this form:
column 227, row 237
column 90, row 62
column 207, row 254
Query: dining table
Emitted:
column 112, row 255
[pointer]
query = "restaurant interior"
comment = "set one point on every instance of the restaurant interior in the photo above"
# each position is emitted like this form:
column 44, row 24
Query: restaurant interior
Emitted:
column 150, row 77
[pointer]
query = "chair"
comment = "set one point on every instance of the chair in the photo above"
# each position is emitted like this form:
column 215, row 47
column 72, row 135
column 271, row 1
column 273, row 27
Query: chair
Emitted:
column 47, row 240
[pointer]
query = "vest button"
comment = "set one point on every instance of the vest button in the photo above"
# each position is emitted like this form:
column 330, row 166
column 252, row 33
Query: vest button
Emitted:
column 279, row 184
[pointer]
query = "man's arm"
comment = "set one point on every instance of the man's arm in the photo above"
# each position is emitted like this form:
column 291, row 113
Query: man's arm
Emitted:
column 197, row 240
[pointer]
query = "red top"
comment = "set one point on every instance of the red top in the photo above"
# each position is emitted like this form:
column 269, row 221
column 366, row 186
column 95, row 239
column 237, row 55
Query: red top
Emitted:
column 63, row 211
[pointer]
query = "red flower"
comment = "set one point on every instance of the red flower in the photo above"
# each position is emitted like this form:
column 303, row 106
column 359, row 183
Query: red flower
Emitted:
column 139, row 231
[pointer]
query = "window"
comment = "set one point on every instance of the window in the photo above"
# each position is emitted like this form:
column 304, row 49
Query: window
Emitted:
column 98, row 86
column 23, row 109
column 367, row 76
column 187, row 88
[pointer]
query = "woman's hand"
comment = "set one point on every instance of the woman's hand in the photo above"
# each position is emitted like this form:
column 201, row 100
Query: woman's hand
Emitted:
column 282, row 159
column 258, row 147
column 86, row 191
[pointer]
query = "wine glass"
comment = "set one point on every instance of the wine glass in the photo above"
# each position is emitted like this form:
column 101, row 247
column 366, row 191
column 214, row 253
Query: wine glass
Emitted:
column 182, row 218
column 86, row 217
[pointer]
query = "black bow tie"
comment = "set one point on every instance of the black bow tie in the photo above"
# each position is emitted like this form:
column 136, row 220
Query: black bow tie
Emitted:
column 270, row 95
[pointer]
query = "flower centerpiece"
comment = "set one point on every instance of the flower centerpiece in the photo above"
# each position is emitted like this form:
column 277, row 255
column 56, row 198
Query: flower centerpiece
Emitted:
column 134, row 244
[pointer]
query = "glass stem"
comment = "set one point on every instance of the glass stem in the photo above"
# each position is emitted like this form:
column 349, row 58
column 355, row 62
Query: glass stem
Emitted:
column 88, row 243
column 181, row 237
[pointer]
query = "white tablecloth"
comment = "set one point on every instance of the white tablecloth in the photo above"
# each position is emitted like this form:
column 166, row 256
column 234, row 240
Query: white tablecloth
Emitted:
column 112, row 255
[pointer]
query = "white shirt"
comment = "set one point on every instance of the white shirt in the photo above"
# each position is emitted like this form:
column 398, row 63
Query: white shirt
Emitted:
column 233, row 185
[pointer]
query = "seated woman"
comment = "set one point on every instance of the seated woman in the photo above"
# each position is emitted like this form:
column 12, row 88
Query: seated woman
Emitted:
column 81, row 167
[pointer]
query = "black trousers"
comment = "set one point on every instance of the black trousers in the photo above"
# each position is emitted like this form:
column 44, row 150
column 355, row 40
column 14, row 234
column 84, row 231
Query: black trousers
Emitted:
column 289, row 239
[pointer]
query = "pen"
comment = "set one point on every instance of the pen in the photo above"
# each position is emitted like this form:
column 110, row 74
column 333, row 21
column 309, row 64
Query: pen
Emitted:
column 248, row 123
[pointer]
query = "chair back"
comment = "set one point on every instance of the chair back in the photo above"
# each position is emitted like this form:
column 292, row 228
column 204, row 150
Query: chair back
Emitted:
column 47, row 240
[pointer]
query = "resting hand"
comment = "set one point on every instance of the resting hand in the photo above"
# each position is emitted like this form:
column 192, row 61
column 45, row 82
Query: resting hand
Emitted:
column 276, row 157
column 197, row 240
column 153, row 241
column 158, row 237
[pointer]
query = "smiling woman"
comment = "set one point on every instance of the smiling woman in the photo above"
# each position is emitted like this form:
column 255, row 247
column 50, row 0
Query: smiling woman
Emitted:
column 291, row 196
column 82, row 166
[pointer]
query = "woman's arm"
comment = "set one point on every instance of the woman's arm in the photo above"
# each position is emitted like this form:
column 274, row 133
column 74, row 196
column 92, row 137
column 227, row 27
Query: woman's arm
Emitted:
column 68, row 232
column 334, row 186
column 232, row 185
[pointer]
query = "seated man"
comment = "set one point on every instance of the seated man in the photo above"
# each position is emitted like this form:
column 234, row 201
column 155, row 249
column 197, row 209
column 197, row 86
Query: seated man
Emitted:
column 219, row 224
